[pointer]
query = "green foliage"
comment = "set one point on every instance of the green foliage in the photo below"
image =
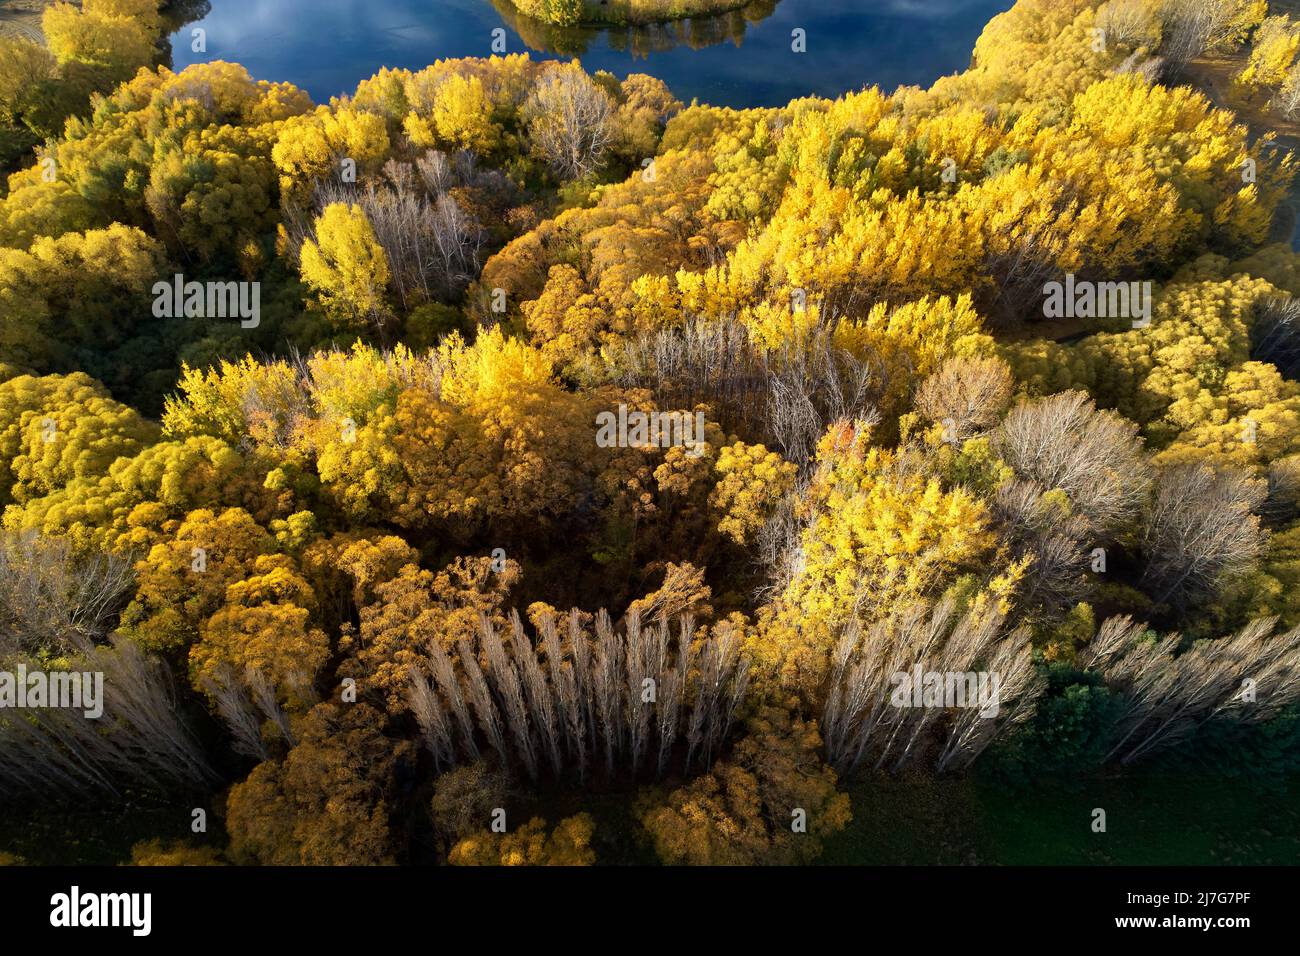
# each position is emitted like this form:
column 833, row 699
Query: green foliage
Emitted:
column 1070, row 732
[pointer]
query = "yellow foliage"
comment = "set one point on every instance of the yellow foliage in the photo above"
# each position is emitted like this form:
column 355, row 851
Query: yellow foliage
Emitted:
column 753, row 481
column 568, row 844
column 881, row 530
column 347, row 267
column 155, row 853
column 743, row 812
column 312, row 147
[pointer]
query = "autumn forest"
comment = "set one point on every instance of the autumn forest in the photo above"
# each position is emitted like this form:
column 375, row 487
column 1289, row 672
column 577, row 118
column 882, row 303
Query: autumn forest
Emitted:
column 513, row 463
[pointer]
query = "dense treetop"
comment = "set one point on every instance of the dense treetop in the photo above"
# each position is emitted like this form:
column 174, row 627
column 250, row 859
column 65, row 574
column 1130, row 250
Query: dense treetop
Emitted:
column 375, row 541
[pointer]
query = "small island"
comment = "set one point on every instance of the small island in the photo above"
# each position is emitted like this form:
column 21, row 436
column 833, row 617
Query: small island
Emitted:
column 623, row 12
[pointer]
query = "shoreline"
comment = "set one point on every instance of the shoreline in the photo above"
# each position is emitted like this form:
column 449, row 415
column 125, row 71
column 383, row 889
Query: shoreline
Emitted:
column 621, row 14
column 22, row 18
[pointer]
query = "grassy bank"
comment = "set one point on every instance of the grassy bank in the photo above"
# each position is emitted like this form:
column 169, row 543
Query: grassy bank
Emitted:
column 622, row 12
column 1150, row 820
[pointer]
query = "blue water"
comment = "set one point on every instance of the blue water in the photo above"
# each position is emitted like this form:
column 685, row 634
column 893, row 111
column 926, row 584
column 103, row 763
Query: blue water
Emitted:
column 742, row 59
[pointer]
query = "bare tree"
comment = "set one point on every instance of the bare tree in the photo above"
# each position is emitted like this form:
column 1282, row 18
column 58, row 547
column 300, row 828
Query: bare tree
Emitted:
column 1126, row 21
column 863, row 722
column 1275, row 334
column 1190, row 28
column 1283, row 501
column 139, row 739
column 779, row 543
column 236, row 708
column 570, row 121
column 1201, row 531
column 435, row 172
column 629, row 693
column 564, row 681
column 544, row 697
column 433, row 246
column 1287, row 98
column 811, row 384
column 966, row 395
column 56, row 604
column 722, row 683
column 262, row 691
column 510, row 693
column 432, row 718
column 784, row 397
column 1063, row 441
column 1151, row 68
column 607, row 684
column 480, row 695
column 1054, row 542
column 444, row 673
column 1250, row 677
column 53, row 600
column 699, row 362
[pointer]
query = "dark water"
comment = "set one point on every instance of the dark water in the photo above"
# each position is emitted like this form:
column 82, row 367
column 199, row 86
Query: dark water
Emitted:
column 740, row 59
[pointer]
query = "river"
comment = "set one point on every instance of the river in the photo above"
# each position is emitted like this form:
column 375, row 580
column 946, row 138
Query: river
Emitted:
column 741, row 59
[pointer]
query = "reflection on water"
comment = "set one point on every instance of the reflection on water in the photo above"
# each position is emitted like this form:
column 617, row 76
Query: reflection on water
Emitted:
column 177, row 16
column 739, row 59
column 638, row 40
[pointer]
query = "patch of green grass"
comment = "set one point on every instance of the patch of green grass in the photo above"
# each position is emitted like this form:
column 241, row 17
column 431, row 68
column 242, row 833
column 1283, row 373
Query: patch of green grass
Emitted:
column 1150, row 820
column 909, row 822
column 99, row 832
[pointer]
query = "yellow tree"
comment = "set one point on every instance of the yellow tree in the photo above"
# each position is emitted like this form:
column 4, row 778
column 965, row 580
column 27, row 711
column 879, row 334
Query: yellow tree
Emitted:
column 772, row 801
column 264, row 625
column 752, row 480
column 416, row 607
column 115, row 35
column 327, row 802
column 461, row 117
column 880, row 529
column 347, row 268
column 56, row 428
column 312, row 147
column 81, row 288
column 183, row 580
column 567, row 844
column 877, row 530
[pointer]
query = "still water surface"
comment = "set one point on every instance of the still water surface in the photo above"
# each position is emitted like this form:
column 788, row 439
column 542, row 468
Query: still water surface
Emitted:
column 740, row 59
